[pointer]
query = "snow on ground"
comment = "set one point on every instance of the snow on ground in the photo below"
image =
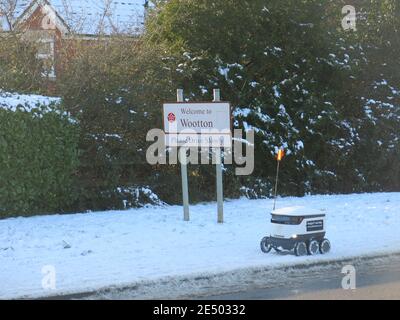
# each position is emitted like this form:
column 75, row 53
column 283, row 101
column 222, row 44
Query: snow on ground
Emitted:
column 11, row 101
column 97, row 250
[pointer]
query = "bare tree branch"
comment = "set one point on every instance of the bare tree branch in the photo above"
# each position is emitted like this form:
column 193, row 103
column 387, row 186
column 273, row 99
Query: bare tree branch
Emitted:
column 8, row 11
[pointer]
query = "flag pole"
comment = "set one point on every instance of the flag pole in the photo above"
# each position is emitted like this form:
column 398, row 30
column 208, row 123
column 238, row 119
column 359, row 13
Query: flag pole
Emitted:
column 276, row 184
column 280, row 156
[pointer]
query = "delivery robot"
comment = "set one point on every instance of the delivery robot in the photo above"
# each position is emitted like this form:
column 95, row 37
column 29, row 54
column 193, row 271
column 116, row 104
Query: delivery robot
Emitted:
column 299, row 229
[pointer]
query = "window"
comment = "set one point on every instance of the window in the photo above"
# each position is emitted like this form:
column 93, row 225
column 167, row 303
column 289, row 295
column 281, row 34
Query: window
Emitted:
column 279, row 219
column 44, row 49
column 45, row 53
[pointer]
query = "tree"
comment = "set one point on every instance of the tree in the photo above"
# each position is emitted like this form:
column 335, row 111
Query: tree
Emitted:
column 20, row 70
column 379, row 93
column 294, row 76
column 8, row 9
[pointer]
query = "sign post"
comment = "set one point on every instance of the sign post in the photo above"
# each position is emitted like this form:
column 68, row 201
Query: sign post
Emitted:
column 218, row 157
column 183, row 160
column 200, row 124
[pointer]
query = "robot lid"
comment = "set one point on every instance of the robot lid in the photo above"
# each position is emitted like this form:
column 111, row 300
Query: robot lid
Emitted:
column 298, row 212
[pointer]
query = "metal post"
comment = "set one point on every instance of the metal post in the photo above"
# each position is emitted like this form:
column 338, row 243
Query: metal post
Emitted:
column 218, row 157
column 183, row 160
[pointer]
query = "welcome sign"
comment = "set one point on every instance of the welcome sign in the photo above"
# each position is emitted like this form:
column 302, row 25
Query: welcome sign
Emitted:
column 198, row 124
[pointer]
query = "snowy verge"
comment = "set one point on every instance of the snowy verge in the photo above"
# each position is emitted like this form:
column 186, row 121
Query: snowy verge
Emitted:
column 152, row 249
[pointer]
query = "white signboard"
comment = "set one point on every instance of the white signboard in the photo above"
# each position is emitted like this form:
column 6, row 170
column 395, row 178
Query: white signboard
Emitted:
column 198, row 124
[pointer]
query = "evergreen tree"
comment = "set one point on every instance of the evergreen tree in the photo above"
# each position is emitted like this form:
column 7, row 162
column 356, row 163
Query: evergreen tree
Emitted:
column 294, row 76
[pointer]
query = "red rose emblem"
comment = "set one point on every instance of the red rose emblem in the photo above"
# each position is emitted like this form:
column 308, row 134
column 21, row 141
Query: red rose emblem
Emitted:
column 171, row 118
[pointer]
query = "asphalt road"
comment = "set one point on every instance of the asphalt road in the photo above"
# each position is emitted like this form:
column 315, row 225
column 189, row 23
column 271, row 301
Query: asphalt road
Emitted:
column 386, row 291
column 377, row 281
column 376, row 278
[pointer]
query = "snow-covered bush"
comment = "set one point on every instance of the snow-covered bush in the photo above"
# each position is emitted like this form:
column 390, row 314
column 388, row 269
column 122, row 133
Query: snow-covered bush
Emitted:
column 38, row 156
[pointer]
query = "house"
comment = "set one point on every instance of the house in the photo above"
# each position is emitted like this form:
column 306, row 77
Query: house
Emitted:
column 53, row 23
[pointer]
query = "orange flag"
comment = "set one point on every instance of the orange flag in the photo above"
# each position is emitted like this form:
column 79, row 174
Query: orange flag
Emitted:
column 281, row 154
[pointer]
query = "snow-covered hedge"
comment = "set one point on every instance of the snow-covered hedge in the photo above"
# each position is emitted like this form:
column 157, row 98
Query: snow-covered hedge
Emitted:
column 14, row 101
column 38, row 155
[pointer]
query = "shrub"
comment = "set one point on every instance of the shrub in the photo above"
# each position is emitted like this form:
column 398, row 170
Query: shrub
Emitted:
column 38, row 159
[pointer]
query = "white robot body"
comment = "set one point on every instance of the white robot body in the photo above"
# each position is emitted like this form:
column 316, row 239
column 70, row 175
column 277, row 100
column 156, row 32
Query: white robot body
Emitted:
column 297, row 228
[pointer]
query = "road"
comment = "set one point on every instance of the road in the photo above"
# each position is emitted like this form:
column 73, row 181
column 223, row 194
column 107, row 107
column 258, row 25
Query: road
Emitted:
column 387, row 291
column 377, row 280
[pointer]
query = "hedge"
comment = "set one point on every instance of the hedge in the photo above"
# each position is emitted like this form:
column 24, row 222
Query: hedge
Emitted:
column 38, row 161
